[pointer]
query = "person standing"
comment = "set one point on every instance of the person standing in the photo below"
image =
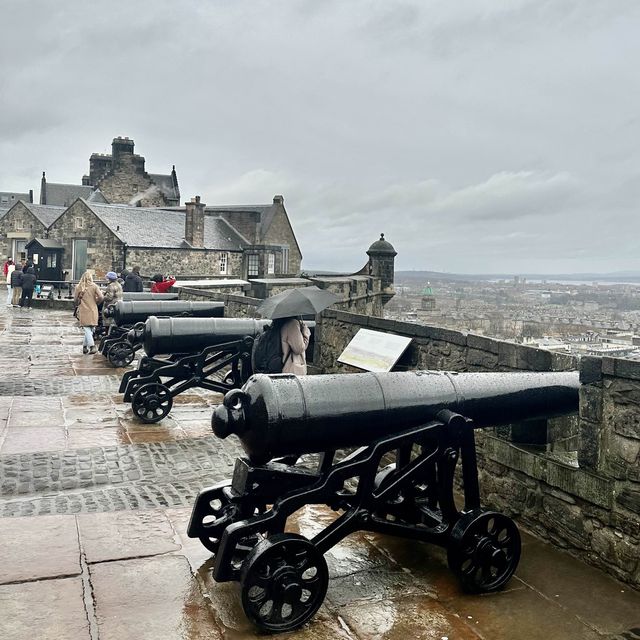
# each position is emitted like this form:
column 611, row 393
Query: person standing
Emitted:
column 87, row 297
column 161, row 284
column 294, row 336
column 112, row 294
column 133, row 281
column 27, row 282
column 7, row 262
column 10, row 269
column 16, row 287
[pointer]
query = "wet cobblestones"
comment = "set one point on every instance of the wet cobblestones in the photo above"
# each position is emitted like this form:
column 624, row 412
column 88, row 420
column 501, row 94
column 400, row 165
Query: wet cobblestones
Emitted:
column 112, row 478
column 59, row 386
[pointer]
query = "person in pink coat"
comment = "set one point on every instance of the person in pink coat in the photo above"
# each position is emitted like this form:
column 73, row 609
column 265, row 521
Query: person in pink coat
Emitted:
column 294, row 335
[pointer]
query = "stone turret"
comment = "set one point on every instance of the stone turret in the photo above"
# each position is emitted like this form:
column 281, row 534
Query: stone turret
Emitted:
column 381, row 265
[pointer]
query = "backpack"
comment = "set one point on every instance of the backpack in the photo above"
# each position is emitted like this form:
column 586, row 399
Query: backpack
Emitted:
column 266, row 356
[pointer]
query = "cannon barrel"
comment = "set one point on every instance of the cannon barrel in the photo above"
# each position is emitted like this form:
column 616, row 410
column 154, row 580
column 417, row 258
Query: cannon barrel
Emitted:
column 286, row 414
column 191, row 335
column 132, row 311
column 147, row 295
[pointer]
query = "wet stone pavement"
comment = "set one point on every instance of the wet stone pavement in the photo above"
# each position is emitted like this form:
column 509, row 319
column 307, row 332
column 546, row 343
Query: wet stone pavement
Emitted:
column 94, row 508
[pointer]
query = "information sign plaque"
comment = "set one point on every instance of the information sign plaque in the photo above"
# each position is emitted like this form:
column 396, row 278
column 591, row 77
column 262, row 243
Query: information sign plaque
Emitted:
column 374, row 350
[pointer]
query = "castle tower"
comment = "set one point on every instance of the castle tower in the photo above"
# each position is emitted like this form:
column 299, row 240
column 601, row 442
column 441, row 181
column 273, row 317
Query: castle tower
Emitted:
column 381, row 264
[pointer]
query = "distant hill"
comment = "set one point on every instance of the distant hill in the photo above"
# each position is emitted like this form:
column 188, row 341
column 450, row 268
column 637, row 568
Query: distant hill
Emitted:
column 421, row 276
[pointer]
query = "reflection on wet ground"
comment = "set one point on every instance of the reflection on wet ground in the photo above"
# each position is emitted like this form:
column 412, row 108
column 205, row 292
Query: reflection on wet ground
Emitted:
column 105, row 557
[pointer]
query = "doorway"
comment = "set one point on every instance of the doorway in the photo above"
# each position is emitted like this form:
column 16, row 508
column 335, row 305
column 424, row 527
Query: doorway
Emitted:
column 79, row 258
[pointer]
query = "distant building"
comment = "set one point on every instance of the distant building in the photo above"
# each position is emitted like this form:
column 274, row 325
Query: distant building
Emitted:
column 116, row 178
column 248, row 242
column 9, row 198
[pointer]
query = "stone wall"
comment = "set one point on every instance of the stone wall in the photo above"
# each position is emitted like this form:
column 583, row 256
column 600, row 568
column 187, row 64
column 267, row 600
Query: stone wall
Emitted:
column 281, row 233
column 126, row 182
column 182, row 262
column 104, row 250
column 579, row 486
column 18, row 224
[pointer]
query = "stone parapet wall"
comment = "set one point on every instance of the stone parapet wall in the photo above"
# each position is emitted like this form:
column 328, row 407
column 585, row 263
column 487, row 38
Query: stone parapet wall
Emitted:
column 581, row 489
column 181, row 262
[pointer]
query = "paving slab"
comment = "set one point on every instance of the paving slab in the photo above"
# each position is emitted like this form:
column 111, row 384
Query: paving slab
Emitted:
column 149, row 599
column 26, row 440
column 125, row 534
column 32, row 549
column 46, row 610
column 555, row 574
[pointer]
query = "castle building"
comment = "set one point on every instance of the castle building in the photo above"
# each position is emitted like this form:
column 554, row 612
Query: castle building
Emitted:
column 116, row 178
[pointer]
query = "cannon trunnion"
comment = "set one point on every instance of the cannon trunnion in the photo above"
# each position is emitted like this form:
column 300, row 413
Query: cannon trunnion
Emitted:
column 379, row 449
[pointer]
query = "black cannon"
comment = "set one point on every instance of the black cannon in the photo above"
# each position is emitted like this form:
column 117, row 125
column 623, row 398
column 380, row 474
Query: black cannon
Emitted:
column 202, row 349
column 147, row 295
column 403, row 434
column 127, row 314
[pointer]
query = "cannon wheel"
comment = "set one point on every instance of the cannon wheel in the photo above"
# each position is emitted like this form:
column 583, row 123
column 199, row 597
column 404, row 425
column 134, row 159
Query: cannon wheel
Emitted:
column 152, row 402
column 121, row 354
column 484, row 550
column 283, row 583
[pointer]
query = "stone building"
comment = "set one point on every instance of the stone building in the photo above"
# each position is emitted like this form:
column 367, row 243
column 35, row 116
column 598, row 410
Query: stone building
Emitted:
column 23, row 222
column 245, row 242
column 117, row 177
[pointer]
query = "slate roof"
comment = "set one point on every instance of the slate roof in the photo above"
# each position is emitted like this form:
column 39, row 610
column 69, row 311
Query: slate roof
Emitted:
column 66, row 194
column 163, row 228
column 166, row 185
column 46, row 243
column 46, row 213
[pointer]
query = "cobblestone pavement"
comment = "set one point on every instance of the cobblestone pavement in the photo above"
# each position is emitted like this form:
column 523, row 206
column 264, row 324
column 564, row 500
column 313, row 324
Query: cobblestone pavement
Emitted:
column 69, row 445
column 107, row 557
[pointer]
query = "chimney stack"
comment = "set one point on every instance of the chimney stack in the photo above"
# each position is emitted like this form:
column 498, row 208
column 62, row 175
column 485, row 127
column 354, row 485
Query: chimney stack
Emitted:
column 278, row 199
column 194, row 223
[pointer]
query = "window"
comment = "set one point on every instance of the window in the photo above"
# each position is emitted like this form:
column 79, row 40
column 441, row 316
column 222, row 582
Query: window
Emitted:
column 224, row 264
column 78, row 223
column 285, row 259
column 271, row 264
column 18, row 224
column 51, row 261
column 253, row 264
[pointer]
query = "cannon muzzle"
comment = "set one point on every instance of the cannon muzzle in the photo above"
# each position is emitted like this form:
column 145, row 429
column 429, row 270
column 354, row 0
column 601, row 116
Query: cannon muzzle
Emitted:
column 132, row 311
column 285, row 414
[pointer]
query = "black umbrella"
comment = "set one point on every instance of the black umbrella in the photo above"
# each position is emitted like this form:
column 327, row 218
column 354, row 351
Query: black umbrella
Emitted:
column 296, row 302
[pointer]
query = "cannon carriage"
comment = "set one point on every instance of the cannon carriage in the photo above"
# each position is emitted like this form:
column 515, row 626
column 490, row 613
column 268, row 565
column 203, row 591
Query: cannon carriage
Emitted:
column 120, row 347
column 184, row 353
column 403, row 434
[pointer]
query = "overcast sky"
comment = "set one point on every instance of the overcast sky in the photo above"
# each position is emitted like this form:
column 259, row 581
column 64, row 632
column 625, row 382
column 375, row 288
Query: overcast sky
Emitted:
column 478, row 135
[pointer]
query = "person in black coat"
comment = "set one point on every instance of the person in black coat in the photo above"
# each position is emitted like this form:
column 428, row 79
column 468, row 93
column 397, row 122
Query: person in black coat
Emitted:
column 16, row 287
column 133, row 281
column 27, row 282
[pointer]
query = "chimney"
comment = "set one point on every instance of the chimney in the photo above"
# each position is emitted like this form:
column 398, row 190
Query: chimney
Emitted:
column 43, row 190
column 85, row 181
column 31, row 195
column 278, row 199
column 194, row 223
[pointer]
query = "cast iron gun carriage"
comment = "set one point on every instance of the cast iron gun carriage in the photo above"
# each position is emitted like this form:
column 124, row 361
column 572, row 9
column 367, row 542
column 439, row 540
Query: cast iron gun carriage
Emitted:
column 423, row 420
column 131, row 314
column 199, row 351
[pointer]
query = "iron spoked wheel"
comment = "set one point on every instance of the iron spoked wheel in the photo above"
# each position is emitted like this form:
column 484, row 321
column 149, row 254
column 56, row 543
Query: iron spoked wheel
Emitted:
column 284, row 581
column 152, row 402
column 121, row 354
column 484, row 550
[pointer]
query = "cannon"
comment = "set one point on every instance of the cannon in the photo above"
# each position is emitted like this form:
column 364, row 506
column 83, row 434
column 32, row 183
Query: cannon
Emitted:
column 127, row 314
column 201, row 350
column 210, row 353
column 381, row 449
column 147, row 295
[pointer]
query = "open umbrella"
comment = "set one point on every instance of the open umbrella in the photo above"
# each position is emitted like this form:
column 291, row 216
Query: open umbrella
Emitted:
column 296, row 302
